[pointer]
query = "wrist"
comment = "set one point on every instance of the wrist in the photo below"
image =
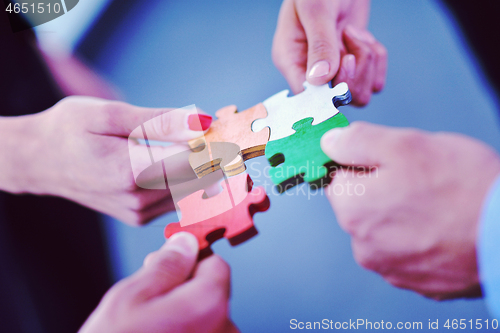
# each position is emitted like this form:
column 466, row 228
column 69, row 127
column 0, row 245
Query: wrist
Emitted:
column 19, row 144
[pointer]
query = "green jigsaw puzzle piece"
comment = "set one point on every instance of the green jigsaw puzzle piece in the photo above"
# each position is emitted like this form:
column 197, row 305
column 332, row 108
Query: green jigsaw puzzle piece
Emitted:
column 299, row 157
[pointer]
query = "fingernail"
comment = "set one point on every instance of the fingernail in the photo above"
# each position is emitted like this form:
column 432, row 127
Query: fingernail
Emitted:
column 182, row 242
column 350, row 65
column 321, row 68
column 199, row 122
column 331, row 137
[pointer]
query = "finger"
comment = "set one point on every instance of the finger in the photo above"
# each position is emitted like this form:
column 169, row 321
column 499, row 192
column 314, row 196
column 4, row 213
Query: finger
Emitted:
column 381, row 67
column 347, row 71
column 213, row 271
column 359, row 43
column 289, row 50
column 319, row 19
column 171, row 266
column 154, row 166
column 142, row 200
column 135, row 218
column 352, row 194
column 205, row 297
column 230, row 327
column 149, row 258
column 380, row 62
column 155, row 210
column 360, row 144
column 173, row 125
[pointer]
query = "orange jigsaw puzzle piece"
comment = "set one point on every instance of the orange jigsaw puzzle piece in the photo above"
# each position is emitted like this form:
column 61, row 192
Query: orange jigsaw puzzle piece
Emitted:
column 217, row 155
column 236, row 127
column 235, row 224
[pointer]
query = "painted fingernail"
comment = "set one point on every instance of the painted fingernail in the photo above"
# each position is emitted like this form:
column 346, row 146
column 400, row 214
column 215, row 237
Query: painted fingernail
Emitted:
column 331, row 137
column 199, row 122
column 350, row 65
column 182, row 242
column 321, row 68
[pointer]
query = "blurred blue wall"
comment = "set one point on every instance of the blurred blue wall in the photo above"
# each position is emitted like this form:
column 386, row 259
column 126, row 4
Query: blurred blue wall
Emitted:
column 176, row 53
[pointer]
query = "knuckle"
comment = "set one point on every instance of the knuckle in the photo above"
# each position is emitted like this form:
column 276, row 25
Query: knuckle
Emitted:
column 128, row 185
column 171, row 265
column 67, row 100
column 356, row 129
column 135, row 219
column 362, row 98
column 161, row 123
column 276, row 56
column 364, row 52
column 321, row 47
column 395, row 281
column 223, row 270
column 363, row 260
column 111, row 109
column 351, row 224
column 379, row 84
column 126, row 179
column 148, row 259
column 313, row 7
column 115, row 296
column 411, row 141
column 381, row 51
column 363, row 257
column 435, row 296
column 214, row 307
column 136, row 203
column 109, row 113
column 346, row 224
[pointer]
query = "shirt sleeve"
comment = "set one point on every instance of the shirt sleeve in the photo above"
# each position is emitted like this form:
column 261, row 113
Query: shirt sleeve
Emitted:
column 489, row 249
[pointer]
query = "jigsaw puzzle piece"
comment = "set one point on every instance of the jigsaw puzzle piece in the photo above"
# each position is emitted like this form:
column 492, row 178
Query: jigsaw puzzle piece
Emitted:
column 234, row 191
column 217, row 155
column 235, row 127
column 235, row 224
column 174, row 175
column 317, row 102
column 299, row 157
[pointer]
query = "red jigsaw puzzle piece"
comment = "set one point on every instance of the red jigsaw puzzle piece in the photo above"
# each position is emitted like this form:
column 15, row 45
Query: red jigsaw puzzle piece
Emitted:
column 236, row 224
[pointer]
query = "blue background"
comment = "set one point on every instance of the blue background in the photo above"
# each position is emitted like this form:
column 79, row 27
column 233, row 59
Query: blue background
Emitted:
column 212, row 54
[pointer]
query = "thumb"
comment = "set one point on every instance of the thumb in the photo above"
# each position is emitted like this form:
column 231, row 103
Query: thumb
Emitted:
column 359, row 144
column 162, row 124
column 323, row 40
column 169, row 267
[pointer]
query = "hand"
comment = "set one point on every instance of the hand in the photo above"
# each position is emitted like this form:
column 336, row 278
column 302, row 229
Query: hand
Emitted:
column 79, row 150
column 327, row 39
column 161, row 296
column 414, row 217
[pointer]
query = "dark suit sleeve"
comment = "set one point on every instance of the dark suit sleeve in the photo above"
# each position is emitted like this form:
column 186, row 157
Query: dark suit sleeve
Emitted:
column 479, row 22
column 53, row 267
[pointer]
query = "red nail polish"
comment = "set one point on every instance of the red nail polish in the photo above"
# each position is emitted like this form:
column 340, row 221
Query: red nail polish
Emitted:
column 199, row 122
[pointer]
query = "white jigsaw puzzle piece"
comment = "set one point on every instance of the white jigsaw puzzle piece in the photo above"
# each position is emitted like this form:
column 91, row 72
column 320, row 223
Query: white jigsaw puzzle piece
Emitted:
column 284, row 111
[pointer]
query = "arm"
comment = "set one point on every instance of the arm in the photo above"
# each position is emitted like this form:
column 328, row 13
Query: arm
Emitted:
column 488, row 249
column 79, row 150
column 18, row 144
column 163, row 297
column 414, row 218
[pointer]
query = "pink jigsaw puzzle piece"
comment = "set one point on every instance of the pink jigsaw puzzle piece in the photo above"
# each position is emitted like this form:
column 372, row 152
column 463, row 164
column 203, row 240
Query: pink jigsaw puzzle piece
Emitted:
column 235, row 224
